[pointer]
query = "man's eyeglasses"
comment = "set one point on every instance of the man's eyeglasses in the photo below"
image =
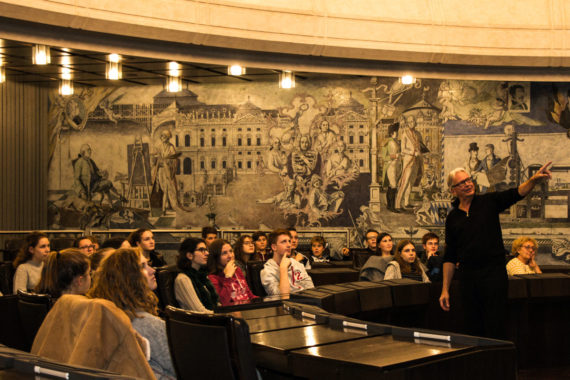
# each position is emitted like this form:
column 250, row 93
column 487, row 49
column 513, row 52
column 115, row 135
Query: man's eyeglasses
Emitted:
column 88, row 247
column 462, row 183
column 529, row 247
column 202, row 250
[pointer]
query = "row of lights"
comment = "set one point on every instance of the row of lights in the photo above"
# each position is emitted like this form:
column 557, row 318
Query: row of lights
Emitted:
column 114, row 71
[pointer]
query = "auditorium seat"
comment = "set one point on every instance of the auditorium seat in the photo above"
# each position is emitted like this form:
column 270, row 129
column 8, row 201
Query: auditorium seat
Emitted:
column 165, row 277
column 11, row 333
column 359, row 257
column 6, row 277
column 57, row 244
column 254, row 279
column 32, row 309
column 209, row 346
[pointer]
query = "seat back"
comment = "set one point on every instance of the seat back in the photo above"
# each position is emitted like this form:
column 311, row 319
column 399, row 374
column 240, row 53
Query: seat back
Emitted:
column 11, row 248
column 6, row 277
column 213, row 346
column 32, row 308
column 10, row 327
column 359, row 257
column 254, row 277
column 60, row 243
column 165, row 277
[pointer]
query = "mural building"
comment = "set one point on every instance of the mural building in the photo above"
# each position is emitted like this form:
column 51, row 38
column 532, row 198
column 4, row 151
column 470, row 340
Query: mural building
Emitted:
column 356, row 153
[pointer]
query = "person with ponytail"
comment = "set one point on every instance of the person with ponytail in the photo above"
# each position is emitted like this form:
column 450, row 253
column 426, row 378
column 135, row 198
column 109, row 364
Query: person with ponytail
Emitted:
column 65, row 272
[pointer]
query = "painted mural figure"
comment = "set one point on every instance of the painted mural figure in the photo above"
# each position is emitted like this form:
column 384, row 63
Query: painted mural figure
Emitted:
column 325, row 139
column 411, row 146
column 319, row 201
column 475, row 168
column 518, row 98
column 338, row 163
column 277, row 158
column 392, row 166
column 304, row 162
column 88, row 179
column 165, row 171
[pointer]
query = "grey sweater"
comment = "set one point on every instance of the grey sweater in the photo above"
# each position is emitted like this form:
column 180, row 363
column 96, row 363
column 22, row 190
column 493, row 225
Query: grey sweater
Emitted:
column 154, row 330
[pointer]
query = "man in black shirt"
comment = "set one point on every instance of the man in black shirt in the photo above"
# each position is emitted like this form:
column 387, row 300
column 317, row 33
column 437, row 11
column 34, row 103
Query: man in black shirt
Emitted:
column 474, row 240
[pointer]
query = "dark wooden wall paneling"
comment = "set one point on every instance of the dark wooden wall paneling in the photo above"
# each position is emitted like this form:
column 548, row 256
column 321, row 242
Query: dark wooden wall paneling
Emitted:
column 23, row 156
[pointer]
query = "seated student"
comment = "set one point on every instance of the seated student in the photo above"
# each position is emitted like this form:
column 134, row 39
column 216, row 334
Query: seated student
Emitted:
column 30, row 262
column 320, row 253
column 524, row 249
column 126, row 279
column 370, row 241
column 85, row 245
column 65, row 272
column 299, row 256
column 227, row 278
column 144, row 239
column 94, row 240
column 209, row 234
column 374, row 268
column 280, row 274
column 431, row 258
column 192, row 288
column 260, row 241
column 406, row 264
column 243, row 251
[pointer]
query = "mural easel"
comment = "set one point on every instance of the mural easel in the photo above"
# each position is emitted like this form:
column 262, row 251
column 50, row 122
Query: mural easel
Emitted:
column 138, row 194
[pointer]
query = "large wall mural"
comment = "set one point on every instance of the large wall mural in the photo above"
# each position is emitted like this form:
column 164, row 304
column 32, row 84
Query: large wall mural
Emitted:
column 339, row 153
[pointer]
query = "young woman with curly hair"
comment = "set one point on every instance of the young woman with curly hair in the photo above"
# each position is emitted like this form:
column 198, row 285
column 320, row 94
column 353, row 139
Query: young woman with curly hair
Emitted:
column 126, row 279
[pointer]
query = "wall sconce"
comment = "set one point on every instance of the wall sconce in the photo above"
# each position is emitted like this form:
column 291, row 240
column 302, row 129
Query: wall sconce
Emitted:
column 287, row 79
column 65, row 87
column 114, row 67
column 407, row 79
column 173, row 84
column 236, row 70
column 41, row 55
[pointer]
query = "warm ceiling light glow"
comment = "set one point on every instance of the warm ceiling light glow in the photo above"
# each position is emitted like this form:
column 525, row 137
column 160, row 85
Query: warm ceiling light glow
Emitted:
column 408, row 79
column 65, row 87
column 173, row 69
column 66, row 60
column 173, row 84
column 2, row 73
column 236, row 70
column 66, row 73
column 287, row 79
column 114, row 68
column 41, row 55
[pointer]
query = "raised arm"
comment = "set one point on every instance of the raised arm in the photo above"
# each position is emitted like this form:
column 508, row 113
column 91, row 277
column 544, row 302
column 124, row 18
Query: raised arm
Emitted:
column 541, row 174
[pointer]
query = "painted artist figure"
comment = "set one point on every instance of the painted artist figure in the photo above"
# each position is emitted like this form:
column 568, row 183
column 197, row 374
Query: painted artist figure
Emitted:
column 392, row 166
column 165, row 171
column 88, row 179
column 412, row 162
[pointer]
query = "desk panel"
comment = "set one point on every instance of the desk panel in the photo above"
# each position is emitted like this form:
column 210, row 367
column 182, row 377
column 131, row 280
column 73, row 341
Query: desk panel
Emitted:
column 279, row 322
